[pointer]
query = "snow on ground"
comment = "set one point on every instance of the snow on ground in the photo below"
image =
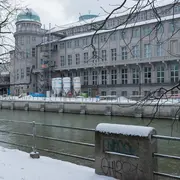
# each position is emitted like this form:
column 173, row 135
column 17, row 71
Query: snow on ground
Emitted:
column 17, row 165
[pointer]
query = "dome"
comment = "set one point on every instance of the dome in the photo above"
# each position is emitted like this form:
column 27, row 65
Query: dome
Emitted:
column 87, row 16
column 28, row 15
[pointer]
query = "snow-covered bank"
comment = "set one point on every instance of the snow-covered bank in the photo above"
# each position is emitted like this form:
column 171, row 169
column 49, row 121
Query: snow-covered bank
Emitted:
column 119, row 100
column 17, row 165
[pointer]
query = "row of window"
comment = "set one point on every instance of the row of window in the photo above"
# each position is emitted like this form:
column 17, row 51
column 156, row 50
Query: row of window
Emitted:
column 25, row 40
column 27, row 26
column 135, row 53
column 139, row 16
column 26, row 54
column 20, row 75
column 135, row 93
column 125, row 33
column 124, row 76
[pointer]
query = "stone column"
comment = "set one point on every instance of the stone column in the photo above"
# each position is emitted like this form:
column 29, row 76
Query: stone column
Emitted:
column 125, row 152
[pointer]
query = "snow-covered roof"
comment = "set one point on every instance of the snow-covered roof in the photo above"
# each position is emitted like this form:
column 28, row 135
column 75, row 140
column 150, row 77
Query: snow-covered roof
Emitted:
column 127, row 130
column 120, row 27
column 158, row 3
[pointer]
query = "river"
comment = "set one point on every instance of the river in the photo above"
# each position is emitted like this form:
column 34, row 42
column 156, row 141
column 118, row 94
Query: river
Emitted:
column 163, row 127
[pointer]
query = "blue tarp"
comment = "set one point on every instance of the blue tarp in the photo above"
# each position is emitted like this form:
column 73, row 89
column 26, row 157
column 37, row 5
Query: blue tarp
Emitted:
column 37, row 95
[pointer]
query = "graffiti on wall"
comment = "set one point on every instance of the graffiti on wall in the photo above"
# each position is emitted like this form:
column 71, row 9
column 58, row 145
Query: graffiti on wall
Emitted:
column 121, row 168
column 120, row 146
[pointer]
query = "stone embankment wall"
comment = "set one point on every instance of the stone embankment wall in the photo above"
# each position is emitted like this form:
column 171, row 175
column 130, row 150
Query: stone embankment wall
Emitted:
column 110, row 109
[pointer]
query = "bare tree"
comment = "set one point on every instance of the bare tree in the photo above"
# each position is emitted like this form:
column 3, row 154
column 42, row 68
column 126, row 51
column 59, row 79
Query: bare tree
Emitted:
column 128, row 16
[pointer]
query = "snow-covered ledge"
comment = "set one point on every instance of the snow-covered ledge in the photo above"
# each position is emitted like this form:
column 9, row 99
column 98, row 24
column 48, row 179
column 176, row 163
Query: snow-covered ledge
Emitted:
column 125, row 151
column 127, row 130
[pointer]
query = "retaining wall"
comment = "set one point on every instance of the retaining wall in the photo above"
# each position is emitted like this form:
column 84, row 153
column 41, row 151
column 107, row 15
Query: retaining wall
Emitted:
column 110, row 109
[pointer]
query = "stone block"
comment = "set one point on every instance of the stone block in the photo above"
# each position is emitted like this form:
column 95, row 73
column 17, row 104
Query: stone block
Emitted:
column 83, row 109
column 108, row 110
column 125, row 152
column 35, row 155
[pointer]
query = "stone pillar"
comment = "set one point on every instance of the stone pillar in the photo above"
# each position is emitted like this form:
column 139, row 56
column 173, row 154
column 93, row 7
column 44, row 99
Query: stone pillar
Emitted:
column 125, row 152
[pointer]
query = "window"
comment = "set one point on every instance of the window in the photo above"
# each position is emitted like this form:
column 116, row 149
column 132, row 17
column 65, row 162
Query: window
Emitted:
column 135, row 76
column 135, row 93
column 124, row 93
column 147, row 75
column 147, row 50
column 22, row 73
column 174, row 73
column 85, row 77
column 124, row 76
column 174, row 92
column 113, row 54
column 85, row 41
column 123, row 34
column 17, row 74
column 172, row 26
column 69, row 60
column 103, row 93
column 103, row 38
column 77, row 59
column 27, row 71
column 113, row 93
column 124, row 53
column 113, row 37
column 33, row 52
column 114, row 76
column 147, row 93
column 69, row 44
column 62, row 45
column 135, row 51
column 76, row 43
column 27, row 53
column 104, row 55
column 146, row 31
column 62, row 60
column 160, row 74
column 95, row 39
column 94, row 77
column 86, row 58
column 136, row 33
column 159, row 49
column 22, row 40
column 104, row 76
column 33, row 38
column 173, row 47
column 28, row 39
column 94, row 54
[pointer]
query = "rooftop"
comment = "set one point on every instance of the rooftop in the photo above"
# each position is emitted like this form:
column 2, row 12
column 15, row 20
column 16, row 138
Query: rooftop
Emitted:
column 28, row 15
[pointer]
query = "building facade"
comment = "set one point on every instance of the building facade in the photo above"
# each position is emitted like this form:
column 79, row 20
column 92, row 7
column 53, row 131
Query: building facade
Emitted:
column 137, row 58
column 23, row 59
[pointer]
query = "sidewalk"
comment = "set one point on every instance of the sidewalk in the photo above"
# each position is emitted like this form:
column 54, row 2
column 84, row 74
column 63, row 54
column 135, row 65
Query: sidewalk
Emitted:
column 17, row 165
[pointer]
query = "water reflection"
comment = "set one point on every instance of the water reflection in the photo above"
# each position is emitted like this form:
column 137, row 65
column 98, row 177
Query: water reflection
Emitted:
column 162, row 126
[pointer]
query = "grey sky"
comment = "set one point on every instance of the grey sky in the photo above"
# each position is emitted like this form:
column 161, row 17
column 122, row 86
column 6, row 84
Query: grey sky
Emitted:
column 63, row 11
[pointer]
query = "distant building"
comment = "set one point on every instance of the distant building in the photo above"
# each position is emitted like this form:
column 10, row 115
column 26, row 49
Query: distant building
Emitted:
column 4, row 78
column 110, row 70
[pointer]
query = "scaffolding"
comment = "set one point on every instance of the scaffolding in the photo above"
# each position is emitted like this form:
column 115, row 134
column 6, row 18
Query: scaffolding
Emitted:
column 48, row 64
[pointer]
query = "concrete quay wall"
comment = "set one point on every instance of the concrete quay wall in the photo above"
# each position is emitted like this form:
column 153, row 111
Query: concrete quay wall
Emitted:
column 109, row 109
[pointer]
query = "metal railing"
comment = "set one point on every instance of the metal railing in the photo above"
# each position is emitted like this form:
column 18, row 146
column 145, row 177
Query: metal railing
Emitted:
column 158, row 155
column 35, row 136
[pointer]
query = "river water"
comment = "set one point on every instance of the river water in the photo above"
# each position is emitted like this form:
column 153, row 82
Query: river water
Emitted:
column 163, row 127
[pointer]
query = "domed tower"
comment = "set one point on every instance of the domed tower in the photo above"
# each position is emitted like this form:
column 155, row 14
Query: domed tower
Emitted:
column 28, row 34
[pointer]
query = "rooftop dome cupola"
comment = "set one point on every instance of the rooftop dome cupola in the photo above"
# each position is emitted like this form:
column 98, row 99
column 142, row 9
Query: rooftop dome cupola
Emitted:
column 28, row 15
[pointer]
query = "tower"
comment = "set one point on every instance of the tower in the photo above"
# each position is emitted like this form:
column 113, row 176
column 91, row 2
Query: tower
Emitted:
column 27, row 36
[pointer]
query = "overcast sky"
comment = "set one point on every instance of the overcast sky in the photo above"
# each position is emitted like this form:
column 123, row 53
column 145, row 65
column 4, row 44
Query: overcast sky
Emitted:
column 63, row 11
